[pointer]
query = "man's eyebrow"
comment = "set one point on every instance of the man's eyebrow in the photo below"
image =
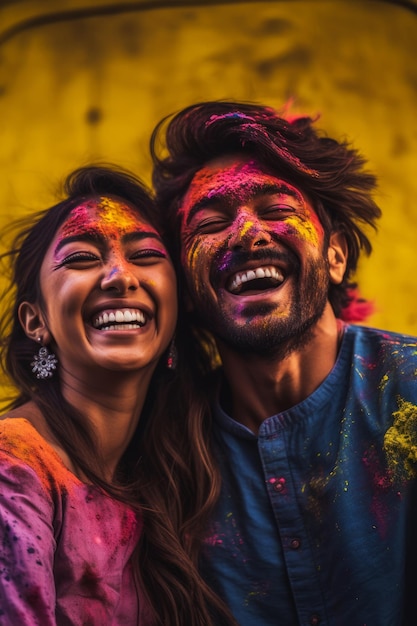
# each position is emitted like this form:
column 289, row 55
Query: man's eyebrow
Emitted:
column 281, row 189
column 255, row 190
column 96, row 237
column 204, row 203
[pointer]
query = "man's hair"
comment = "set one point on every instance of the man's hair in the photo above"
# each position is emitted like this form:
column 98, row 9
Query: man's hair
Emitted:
column 329, row 172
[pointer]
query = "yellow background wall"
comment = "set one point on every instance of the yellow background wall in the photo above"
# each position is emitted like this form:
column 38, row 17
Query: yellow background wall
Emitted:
column 83, row 81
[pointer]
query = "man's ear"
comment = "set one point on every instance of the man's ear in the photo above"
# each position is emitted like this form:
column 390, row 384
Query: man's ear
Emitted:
column 33, row 323
column 337, row 254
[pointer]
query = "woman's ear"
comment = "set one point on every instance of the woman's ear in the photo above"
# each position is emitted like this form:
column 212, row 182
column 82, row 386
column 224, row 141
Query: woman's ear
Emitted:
column 33, row 323
column 337, row 254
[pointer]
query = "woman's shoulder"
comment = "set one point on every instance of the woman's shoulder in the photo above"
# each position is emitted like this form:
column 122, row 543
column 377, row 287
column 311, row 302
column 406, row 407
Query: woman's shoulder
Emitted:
column 23, row 441
column 21, row 426
column 16, row 427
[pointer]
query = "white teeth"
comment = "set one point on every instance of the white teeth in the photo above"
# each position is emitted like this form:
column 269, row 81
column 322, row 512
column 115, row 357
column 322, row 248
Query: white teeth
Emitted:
column 124, row 327
column 110, row 321
column 251, row 275
column 260, row 272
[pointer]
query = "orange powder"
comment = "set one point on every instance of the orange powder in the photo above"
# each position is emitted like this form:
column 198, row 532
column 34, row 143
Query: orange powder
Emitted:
column 20, row 439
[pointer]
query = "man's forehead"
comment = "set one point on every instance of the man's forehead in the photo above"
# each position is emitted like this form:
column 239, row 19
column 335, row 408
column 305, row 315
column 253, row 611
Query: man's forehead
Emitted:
column 234, row 175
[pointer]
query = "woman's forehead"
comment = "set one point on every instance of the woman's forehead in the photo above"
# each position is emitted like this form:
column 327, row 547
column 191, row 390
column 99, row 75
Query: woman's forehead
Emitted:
column 105, row 215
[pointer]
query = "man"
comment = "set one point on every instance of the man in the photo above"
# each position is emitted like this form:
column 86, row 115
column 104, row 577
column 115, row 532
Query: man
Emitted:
column 315, row 419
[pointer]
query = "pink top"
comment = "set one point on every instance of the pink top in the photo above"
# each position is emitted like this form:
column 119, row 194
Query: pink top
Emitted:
column 65, row 546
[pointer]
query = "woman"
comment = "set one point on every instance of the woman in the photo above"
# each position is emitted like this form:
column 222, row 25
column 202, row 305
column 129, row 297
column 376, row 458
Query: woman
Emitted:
column 101, row 491
column 94, row 311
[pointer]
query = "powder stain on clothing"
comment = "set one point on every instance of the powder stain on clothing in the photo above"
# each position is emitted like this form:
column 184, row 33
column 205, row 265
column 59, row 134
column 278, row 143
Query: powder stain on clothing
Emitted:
column 400, row 442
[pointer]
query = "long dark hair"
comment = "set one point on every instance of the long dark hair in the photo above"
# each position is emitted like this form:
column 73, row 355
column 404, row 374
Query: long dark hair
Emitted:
column 330, row 172
column 167, row 460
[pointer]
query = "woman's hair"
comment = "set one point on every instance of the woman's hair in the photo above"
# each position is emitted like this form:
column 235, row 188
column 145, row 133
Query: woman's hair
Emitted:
column 166, row 473
column 330, row 172
column 180, row 482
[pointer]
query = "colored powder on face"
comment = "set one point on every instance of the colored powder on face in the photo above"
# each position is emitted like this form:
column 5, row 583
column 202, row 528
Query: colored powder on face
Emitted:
column 232, row 183
column 237, row 181
column 117, row 214
column 246, row 227
column 303, row 228
column 400, row 442
column 104, row 216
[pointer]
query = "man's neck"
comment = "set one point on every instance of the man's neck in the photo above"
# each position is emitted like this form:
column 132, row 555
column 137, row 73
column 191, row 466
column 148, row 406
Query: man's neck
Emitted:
column 261, row 386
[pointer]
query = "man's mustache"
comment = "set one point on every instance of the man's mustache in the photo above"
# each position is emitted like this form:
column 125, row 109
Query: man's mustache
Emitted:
column 231, row 261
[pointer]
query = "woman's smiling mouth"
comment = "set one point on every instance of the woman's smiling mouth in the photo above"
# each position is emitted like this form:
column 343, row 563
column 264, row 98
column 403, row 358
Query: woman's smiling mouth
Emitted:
column 119, row 319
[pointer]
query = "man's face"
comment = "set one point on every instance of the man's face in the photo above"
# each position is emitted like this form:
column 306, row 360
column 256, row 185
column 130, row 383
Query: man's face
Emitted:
column 252, row 252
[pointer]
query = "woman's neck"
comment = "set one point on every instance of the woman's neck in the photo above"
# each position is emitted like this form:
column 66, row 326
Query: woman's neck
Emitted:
column 112, row 408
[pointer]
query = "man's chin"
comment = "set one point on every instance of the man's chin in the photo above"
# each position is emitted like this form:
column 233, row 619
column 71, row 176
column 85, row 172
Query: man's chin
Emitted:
column 265, row 334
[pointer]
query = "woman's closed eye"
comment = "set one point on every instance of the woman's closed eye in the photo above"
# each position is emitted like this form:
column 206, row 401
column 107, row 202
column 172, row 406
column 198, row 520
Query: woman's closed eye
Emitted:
column 148, row 255
column 79, row 258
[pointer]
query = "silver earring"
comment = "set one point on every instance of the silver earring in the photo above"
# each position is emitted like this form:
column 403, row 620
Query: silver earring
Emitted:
column 172, row 359
column 44, row 363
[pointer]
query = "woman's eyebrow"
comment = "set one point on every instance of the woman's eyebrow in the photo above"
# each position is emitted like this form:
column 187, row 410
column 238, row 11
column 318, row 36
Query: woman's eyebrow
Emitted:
column 94, row 236
column 89, row 236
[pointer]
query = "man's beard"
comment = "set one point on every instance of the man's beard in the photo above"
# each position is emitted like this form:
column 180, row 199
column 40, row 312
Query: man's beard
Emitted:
column 271, row 335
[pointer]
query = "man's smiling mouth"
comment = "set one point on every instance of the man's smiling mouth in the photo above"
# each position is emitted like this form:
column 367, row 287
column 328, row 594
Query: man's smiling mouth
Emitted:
column 259, row 279
column 126, row 319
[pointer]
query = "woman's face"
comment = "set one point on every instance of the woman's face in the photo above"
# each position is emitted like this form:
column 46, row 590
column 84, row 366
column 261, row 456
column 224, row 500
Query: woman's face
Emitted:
column 109, row 290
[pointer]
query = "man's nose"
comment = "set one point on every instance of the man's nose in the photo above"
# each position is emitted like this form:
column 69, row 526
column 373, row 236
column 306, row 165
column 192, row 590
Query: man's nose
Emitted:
column 248, row 232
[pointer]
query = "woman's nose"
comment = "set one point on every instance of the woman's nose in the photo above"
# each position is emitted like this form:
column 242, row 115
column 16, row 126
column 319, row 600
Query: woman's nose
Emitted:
column 119, row 276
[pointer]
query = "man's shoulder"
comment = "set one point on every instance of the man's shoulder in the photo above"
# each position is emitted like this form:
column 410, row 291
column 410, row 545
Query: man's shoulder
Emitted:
column 388, row 355
column 380, row 337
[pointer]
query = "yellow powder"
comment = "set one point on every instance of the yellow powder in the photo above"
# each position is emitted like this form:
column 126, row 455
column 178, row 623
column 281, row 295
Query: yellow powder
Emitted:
column 400, row 442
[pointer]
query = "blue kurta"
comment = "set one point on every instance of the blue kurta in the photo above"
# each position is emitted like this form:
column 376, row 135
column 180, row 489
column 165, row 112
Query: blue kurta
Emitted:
column 317, row 520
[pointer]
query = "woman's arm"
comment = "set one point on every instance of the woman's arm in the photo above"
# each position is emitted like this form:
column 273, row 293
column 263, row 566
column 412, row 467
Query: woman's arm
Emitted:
column 27, row 545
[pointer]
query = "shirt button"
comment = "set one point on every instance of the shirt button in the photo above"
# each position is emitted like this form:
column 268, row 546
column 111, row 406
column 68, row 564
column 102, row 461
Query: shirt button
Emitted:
column 279, row 485
column 315, row 620
column 295, row 544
